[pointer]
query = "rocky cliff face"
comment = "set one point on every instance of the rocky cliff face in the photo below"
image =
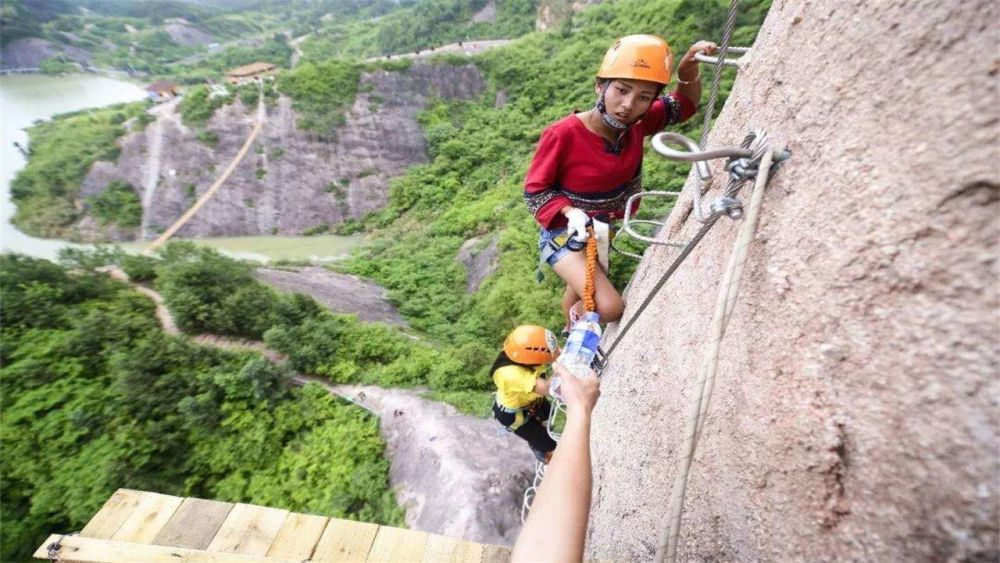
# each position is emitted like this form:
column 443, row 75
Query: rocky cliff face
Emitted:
column 551, row 13
column 855, row 413
column 291, row 181
column 30, row 52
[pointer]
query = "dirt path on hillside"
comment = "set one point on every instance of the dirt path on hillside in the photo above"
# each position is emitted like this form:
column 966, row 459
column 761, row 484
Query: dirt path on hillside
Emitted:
column 463, row 48
column 453, row 474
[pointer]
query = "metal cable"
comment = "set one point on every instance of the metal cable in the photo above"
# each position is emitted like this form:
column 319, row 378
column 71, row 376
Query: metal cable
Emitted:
column 717, row 74
column 758, row 142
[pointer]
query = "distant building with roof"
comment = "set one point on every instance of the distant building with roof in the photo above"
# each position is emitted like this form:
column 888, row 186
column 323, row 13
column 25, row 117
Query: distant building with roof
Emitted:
column 250, row 72
column 162, row 90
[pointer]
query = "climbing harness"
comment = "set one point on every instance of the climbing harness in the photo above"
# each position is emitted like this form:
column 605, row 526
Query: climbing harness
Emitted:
column 521, row 415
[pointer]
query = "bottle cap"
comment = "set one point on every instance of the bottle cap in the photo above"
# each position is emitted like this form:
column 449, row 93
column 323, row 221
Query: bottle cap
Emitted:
column 592, row 316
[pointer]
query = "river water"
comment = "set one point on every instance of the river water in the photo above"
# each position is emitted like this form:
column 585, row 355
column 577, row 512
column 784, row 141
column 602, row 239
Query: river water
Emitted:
column 25, row 98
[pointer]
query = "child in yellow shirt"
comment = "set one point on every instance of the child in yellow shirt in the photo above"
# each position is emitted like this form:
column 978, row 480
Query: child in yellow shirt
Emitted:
column 521, row 405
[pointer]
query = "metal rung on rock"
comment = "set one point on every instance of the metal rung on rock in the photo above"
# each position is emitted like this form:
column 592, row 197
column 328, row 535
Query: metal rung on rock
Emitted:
column 702, row 57
column 628, row 222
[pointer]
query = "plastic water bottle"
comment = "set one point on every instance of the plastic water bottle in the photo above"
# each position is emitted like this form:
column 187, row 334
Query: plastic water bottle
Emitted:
column 581, row 348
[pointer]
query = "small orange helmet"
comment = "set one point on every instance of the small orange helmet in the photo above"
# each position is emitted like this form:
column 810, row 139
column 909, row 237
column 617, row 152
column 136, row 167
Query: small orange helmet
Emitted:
column 638, row 57
column 531, row 345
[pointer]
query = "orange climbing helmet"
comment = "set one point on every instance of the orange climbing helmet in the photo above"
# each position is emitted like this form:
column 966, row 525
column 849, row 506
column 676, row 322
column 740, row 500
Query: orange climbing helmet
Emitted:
column 638, row 57
column 531, row 345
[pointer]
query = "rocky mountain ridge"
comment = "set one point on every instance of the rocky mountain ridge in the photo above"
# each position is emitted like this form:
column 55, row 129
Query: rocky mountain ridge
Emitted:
column 292, row 181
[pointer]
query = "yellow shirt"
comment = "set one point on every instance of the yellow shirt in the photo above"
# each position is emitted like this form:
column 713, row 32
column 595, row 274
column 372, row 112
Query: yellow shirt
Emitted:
column 516, row 385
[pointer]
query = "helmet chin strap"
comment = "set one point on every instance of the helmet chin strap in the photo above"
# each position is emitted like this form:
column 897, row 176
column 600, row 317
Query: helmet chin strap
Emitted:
column 603, row 110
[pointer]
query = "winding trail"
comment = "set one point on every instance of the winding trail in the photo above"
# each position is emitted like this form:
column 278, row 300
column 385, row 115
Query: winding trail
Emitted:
column 453, row 474
column 465, row 47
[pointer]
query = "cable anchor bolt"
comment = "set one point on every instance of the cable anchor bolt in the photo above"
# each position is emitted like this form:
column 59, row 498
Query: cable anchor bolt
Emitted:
column 728, row 206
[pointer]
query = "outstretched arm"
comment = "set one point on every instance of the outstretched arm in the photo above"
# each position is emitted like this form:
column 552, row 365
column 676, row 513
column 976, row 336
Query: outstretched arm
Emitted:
column 557, row 525
column 689, row 74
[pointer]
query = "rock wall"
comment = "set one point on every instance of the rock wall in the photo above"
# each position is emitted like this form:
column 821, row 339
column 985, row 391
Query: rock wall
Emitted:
column 855, row 413
column 291, row 181
column 553, row 12
column 30, row 52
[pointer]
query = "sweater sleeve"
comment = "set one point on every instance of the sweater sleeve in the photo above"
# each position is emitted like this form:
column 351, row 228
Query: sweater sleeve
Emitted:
column 540, row 194
column 671, row 109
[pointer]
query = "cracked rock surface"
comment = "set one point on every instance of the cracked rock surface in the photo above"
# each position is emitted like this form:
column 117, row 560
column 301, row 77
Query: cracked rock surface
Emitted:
column 854, row 415
column 453, row 474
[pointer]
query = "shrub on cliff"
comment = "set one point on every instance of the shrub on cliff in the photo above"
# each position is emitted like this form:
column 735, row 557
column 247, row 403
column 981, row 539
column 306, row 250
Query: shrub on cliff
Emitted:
column 118, row 204
column 61, row 151
column 197, row 106
column 321, row 93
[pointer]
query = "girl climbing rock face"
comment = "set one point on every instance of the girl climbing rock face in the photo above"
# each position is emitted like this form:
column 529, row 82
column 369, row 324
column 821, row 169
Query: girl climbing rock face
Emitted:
column 589, row 163
column 521, row 405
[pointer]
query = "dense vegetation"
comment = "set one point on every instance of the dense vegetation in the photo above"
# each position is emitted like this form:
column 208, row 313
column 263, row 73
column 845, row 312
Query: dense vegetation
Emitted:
column 60, row 153
column 95, row 397
column 181, row 40
column 322, row 92
column 427, row 24
column 472, row 187
column 209, row 293
column 118, row 204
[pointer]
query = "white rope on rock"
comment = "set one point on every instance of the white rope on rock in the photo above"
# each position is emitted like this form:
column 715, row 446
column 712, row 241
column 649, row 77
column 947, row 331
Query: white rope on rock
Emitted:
column 728, row 290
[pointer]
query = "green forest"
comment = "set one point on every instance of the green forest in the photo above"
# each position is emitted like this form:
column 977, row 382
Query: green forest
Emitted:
column 97, row 397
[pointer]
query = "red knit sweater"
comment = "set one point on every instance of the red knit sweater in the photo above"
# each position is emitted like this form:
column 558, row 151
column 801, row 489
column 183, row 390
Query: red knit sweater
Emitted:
column 574, row 166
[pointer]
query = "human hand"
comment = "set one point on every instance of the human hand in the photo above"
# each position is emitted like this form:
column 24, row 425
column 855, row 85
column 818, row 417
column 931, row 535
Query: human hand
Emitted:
column 577, row 228
column 706, row 47
column 578, row 392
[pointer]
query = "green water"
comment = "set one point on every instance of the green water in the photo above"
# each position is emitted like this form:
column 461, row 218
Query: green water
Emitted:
column 325, row 248
column 25, row 98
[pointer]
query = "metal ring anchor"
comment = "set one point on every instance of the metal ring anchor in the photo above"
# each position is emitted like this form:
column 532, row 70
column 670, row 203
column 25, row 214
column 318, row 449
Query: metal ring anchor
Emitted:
column 699, row 157
column 628, row 221
column 700, row 56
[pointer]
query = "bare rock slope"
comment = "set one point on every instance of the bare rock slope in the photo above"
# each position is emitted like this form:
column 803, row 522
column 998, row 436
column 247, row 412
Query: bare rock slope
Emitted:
column 855, row 409
column 453, row 474
column 340, row 293
column 292, row 180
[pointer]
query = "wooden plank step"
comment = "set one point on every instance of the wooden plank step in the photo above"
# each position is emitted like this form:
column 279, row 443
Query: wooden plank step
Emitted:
column 442, row 549
column 194, row 524
column 148, row 518
column 495, row 554
column 345, row 541
column 110, row 517
column 396, row 544
column 298, row 536
column 91, row 550
column 248, row 529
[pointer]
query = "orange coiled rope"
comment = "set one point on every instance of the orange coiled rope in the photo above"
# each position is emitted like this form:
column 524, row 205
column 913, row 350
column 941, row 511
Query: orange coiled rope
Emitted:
column 588, row 287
